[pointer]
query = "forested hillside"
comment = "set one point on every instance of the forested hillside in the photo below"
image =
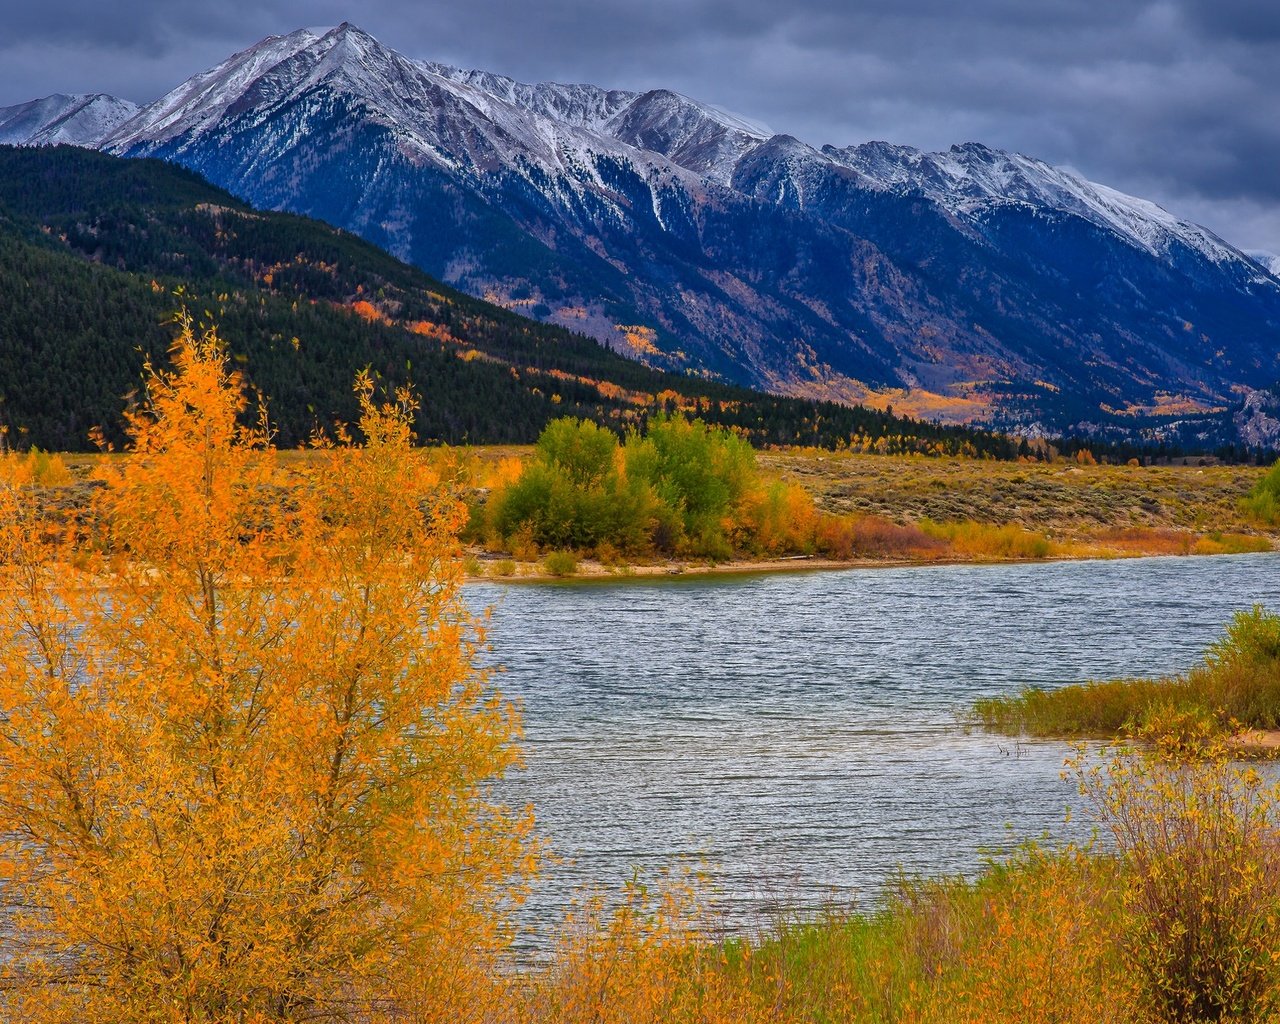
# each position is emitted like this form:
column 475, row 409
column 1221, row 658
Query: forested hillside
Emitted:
column 97, row 253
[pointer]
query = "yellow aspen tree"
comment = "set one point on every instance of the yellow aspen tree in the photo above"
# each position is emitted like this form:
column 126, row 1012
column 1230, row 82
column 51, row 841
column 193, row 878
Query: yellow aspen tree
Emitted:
column 245, row 756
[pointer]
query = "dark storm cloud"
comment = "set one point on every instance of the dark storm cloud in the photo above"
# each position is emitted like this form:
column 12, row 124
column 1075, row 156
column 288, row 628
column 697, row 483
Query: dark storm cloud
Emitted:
column 1176, row 100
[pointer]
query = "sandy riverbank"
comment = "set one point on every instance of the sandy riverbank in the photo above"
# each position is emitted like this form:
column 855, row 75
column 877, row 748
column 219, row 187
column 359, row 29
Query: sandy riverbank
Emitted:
column 1259, row 743
column 496, row 568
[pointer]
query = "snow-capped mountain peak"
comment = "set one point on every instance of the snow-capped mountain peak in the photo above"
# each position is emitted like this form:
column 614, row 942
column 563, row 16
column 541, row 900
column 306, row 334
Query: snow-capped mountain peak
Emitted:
column 466, row 118
column 204, row 99
column 59, row 119
column 467, row 122
column 699, row 137
column 696, row 136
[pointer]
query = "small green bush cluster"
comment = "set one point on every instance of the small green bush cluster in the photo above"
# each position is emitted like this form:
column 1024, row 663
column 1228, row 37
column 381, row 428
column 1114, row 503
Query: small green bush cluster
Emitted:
column 572, row 495
column 1263, row 502
column 673, row 489
column 560, row 563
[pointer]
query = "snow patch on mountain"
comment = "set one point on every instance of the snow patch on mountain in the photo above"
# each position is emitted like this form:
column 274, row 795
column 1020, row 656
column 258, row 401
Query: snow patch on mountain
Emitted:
column 698, row 137
column 970, row 178
column 581, row 106
column 81, row 120
column 204, row 99
column 1268, row 261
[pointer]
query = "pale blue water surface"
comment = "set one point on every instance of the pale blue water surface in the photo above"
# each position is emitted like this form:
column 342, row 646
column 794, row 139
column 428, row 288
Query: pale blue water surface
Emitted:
column 799, row 731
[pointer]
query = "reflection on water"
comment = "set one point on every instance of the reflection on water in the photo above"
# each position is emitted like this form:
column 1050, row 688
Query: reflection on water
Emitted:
column 799, row 731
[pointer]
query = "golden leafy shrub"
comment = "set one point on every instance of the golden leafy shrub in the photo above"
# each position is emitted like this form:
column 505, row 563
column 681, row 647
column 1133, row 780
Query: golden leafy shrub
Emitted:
column 646, row 961
column 244, row 753
column 1199, row 863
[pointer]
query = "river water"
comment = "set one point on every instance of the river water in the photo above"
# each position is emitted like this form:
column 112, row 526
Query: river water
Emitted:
column 797, row 733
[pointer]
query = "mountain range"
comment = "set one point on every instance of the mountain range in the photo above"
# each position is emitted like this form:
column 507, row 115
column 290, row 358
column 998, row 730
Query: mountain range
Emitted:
column 970, row 284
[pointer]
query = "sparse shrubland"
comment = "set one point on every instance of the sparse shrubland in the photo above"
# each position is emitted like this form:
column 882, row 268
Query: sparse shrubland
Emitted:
column 1159, row 508
column 843, row 506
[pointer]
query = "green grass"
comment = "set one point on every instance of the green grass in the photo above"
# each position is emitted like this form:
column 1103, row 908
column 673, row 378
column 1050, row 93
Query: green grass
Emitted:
column 1262, row 503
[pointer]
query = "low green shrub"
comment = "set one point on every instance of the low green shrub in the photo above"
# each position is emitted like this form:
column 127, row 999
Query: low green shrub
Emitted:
column 1263, row 502
column 560, row 563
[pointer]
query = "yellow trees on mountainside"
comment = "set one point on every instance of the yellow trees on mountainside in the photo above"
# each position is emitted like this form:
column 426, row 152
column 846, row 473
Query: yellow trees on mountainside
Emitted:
column 244, row 754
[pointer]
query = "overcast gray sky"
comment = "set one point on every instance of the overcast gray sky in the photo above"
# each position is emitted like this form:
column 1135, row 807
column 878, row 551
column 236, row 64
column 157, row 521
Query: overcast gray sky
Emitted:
column 1177, row 101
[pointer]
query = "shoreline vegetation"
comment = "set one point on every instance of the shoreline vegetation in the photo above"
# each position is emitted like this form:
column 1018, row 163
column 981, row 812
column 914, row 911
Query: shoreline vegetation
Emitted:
column 1231, row 695
column 249, row 780
column 815, row 509
column 684, row 494
column 482, row 566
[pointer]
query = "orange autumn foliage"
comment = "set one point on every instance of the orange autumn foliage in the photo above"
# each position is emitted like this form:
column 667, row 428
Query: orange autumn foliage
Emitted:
column 244, row 754
column 368, row 311
column 644, row 962
column 429, row 330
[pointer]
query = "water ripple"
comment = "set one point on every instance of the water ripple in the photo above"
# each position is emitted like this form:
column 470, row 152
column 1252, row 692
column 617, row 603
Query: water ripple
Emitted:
column 798, row 731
